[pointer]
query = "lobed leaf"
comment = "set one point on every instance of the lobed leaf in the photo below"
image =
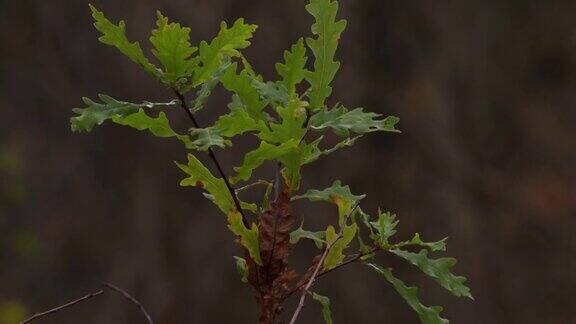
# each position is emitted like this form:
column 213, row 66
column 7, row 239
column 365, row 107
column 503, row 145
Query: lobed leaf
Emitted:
column 433, row 246
column 241, row 85
column 292, row 126
column 300, row 233
column 206, row 89
column 337, row 194
column 325, row 302
column 293, row 69
column 306, row 153
column 327, row 31
column 242, row 269
column 115, row 35
column 226, row 43
column 238, row 121
column 159, row 126
column 97, row 113
column 205, row 138
column 172, row 48
column 337, row 244
column 248, row 237
column 200, row 176
column 428, row 315
column 439, row 269
column 342, row 121
column 255, row 158
column 294, row 160
column 272, row 92
column 385, row 228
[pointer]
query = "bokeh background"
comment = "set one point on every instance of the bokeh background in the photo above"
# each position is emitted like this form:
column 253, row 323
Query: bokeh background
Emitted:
column 486, row 95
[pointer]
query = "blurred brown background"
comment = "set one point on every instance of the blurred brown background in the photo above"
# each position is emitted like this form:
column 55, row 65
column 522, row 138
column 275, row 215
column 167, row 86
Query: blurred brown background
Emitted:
column 486, row 95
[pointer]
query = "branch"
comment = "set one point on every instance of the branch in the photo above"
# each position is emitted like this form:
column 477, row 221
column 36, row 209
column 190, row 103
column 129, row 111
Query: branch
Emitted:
column 315, row 274
column 59, row 308
column 131, row 299
column 253, row 184
column 90, row 296
column 231, row 189
column 355, row 258
column 308, row 285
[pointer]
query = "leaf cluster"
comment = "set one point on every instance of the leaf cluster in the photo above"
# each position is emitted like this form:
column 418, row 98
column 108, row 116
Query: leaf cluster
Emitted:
column 290, row 117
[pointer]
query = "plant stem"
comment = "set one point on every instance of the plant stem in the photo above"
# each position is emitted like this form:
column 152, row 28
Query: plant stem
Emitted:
column 309, row 284
column 316, row 274
column 212, row 156
column 59, row 308
column 355, row 258
column 90, row 296
column 131, row 299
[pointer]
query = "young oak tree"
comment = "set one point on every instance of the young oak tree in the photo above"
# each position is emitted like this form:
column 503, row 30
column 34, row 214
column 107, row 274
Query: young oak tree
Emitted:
column 289, row 124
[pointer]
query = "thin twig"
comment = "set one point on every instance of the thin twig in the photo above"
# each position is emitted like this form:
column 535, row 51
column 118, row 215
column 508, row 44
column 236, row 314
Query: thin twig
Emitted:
column 253, row 184
column 131, row 299
column 212, row 156
column 355, row 258
column 59, row 308
column 317, row 270
column 308, row 285
column 89, row 296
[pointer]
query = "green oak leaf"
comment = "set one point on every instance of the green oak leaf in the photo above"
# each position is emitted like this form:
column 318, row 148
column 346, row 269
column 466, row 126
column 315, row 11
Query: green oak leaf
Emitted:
column 272, row 92
column 428, row 315
column 342, row 121
column 325, row 302
column 208, row 86
column 226, row 43
column 359, row 216
column 327, row 31
column 255, row 158
column 248, row 237
column 293, row 69
column 304, row 154
column 200, row 176
column 295, row 159
column 205, row 138
column 242, row 85
column 97, row 113
column 439, row 269
column 238, row 121
column 244, row 205
column 172, row 48
column 242, row 268
column 300, row 233
column 342, row 144
column 337, row 244
column 249, row 206
column 115, row 35
column 385, row 228
column 292, row 126
column 337, row 194
column 159, row 126
column 417, row 241
column 266, row 198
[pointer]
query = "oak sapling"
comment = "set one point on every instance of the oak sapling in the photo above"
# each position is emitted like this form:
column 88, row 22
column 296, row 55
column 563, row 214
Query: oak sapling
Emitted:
column 289, row 125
